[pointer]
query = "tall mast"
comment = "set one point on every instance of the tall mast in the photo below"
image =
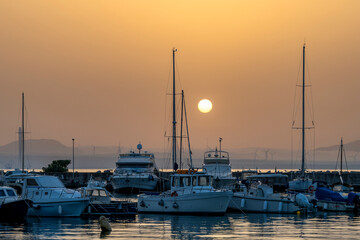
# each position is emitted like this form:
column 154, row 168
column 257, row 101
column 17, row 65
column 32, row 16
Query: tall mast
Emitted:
column 174, row 116
column 181, row 127
column 341, row 154
column 22, row 134
column 303, row 118
column 188, row 137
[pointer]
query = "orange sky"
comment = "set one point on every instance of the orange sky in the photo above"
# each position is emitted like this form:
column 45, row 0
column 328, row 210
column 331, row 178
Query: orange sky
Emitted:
column 98, row 71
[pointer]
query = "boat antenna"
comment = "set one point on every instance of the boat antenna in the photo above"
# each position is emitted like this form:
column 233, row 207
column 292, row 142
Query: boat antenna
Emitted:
column 139, row 147
column 220, row 139
column 175, row 166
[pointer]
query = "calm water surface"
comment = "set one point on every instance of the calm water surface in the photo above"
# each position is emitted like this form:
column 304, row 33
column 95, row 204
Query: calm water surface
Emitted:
column 154, row 226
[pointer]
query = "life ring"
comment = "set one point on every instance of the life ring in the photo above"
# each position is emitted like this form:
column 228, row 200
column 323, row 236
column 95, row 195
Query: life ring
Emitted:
column 311, row 189
column 174, row 194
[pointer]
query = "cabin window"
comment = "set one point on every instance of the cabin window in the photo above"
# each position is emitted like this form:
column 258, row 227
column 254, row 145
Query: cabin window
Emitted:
column 102, row 193
column 134, row 165
column 46, row 193
column 88, row 192
column 203, row 181
column 187, row 181
column 194, row 181
column 2, row 193
column 37, row 193
column 175, row 182
column 10, row 193
column 95, row 193
column 31, row 182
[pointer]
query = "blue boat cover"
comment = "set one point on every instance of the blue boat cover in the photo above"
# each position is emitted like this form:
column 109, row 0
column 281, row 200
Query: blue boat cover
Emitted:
column 328, row 195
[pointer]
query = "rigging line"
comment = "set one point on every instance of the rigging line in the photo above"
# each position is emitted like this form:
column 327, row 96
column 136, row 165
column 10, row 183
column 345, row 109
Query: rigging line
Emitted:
column 296, row 87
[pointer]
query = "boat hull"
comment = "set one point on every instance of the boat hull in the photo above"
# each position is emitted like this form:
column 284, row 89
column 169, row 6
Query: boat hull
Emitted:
column 263, row 205
column 200, row 203
column 113, row 209
column 333, row 206
column 134, row 182
column 15, row 209
column 61, row 208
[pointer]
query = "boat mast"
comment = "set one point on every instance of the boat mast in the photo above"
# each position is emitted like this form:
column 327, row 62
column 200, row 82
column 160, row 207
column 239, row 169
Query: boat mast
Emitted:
column 303, row 118
column 181, row 127
column 22, row 135
column 341, row 154
column 188, row 137
column 174, row 117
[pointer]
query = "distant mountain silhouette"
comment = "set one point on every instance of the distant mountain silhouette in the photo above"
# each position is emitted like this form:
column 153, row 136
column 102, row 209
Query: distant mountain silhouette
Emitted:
column 351, row 146
column 37, row 146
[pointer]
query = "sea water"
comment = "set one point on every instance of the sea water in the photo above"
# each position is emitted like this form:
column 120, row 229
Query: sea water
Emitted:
column 158, row 226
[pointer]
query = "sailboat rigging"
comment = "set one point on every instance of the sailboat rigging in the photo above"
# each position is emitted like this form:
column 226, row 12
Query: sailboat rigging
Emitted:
column 183, row 115
column 302, row 183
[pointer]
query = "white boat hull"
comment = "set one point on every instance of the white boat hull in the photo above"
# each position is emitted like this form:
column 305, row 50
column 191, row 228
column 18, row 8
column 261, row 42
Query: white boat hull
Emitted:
column 134, row 182
column 264, row 205
column 204, row 203
column 61, row 208
column 332, row 206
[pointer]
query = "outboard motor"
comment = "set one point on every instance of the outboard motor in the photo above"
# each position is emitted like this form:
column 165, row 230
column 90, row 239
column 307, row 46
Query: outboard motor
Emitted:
column 302, row 200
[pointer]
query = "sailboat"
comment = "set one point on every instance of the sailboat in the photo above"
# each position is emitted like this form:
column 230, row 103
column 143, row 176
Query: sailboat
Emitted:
column 302, row 183
column 340, row 198
column 191, row 191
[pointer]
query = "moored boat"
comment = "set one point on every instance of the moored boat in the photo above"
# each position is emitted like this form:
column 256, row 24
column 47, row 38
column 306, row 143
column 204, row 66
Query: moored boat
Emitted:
column 217, row 164
column 191, row 193
column 51, row 198
column 11, row 207
column 103, row 203
column 135, row 171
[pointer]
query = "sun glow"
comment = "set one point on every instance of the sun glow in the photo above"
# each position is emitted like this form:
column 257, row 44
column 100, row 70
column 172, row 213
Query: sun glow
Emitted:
column 205, row 106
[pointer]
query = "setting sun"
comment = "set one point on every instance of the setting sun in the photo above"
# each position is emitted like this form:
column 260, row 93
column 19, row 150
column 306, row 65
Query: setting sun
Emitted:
column 205, row 106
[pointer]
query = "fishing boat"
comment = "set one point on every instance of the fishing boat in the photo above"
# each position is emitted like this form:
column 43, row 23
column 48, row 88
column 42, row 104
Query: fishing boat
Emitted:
column 217, row 164
column 257, row 195
column 302, row 183
column 135, row 171
column 191, row 191
column 50, row 197
column 103, row 203
column 11, row 207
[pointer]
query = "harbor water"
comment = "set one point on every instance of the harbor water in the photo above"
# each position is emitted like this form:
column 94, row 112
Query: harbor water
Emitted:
column 158, row 226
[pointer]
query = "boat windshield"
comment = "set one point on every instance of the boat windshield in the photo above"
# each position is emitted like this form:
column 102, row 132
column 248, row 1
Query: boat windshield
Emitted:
column 134, row 165
column 204, row 181
column 10, row 192
column 51, row 182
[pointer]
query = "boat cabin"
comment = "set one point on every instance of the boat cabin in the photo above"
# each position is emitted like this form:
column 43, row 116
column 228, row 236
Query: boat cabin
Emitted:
column 191, row 181
column 7, row 194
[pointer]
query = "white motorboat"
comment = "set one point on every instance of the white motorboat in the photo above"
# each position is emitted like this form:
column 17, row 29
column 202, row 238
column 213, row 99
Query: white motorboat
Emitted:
column 217, row 164
column 260, row 197
column 51, row 198
column 135, row 171
column 103, row 203
column 189, row 194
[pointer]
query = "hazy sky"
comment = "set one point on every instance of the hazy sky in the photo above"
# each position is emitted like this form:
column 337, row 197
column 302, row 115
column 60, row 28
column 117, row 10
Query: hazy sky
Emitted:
column 99, row 71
